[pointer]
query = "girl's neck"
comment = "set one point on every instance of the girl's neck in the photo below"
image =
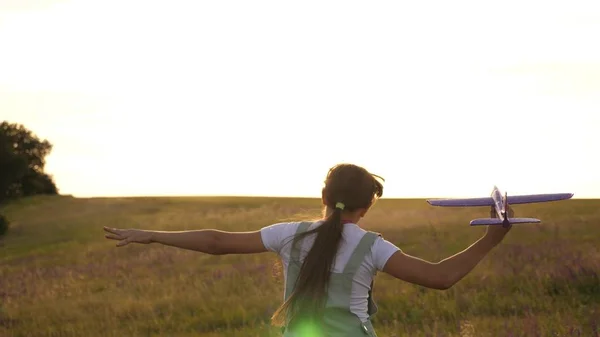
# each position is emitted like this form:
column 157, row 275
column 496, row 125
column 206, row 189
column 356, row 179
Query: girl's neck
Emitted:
column 347, row 217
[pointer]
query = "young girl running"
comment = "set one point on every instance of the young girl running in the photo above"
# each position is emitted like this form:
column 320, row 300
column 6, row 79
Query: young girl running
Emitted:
column 329, row 265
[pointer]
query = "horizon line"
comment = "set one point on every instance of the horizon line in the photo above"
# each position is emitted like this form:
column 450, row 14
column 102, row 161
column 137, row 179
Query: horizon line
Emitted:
column 276, row 197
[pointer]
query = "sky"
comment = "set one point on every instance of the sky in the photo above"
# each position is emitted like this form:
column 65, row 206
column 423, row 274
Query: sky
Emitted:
column 442, row 99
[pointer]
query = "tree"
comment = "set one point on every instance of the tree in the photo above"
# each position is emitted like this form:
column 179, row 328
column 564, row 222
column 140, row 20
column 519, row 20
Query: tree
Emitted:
column 3, row 225
column 22, row 161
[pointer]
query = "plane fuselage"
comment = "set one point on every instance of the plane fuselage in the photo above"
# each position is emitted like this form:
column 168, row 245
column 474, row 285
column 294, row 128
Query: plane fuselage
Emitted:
column 499, row 203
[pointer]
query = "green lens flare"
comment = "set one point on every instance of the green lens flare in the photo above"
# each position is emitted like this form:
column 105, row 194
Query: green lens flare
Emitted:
column 308, row 330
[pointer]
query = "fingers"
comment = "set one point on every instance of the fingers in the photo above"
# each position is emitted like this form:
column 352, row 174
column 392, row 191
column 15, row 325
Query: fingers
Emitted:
column 112, row 230
column 510, row 211
column 123, row 243
column 113, row 237
column 116, row 234
column 493, row 213
column 125, row 237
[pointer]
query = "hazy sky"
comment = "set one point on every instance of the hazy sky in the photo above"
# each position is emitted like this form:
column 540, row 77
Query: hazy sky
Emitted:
column 443, row 98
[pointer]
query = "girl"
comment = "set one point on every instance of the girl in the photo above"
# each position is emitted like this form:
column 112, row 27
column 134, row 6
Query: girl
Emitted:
column 329, row 265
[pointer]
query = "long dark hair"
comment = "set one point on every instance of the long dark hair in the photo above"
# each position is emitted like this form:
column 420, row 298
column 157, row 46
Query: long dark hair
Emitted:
column 349, row 187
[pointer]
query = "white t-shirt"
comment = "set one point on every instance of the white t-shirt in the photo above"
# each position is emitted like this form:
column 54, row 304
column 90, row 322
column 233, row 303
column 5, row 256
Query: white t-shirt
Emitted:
column 278, row 238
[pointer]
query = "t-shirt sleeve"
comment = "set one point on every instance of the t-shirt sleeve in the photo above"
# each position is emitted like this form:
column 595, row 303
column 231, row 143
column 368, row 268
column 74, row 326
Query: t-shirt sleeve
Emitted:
column 382, row 251
column 274, row 236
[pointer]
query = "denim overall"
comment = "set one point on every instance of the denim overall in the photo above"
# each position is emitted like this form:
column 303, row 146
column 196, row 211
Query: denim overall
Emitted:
column 338, row 319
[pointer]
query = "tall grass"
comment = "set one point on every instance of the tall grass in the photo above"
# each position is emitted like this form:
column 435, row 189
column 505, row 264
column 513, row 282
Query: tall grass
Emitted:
column 60, row 277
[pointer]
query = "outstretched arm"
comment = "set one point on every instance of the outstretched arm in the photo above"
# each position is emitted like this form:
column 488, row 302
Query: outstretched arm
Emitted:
column 446, row 273
column 210, row 241
column 440, row 275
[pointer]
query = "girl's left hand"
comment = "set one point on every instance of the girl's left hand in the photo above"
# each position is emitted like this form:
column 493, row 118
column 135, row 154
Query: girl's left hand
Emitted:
column 127, row 236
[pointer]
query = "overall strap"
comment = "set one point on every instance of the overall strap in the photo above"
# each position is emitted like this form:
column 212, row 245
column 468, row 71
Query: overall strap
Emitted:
column 295, row 252
column 294, row 262
column 372, row 306
column 357, row 257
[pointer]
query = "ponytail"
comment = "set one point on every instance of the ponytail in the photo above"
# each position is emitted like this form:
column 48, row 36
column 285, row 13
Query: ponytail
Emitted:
column 308, row 298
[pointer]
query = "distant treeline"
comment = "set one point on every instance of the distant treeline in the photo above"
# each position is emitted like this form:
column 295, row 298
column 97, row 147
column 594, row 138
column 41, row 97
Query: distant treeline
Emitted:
column 22, row 160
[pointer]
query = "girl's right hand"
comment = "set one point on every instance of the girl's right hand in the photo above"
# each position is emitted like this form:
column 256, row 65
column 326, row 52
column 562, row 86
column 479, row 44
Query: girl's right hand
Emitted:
column 496, row 233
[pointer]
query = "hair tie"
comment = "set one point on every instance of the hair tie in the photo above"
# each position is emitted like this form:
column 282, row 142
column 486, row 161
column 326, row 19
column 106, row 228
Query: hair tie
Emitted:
column 340, row 205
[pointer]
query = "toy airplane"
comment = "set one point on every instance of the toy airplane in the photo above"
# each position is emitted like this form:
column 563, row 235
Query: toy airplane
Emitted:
column 499, row 205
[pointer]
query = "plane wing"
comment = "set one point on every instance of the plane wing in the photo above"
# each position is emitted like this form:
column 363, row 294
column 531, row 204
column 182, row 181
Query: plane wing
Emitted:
column 531, row 198
column 496, row 221
column 486, row 201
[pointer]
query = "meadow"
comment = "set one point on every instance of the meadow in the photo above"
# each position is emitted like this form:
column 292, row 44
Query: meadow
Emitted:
column 59, row 276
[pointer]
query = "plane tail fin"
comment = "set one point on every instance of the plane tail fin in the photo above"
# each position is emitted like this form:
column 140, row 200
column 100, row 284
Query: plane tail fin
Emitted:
column 497, row 221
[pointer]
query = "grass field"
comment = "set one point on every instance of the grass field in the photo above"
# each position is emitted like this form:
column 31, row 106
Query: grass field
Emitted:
column 60, row 277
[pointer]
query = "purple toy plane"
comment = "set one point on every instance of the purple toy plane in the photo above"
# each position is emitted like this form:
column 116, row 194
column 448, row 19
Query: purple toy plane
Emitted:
column 499, row 205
